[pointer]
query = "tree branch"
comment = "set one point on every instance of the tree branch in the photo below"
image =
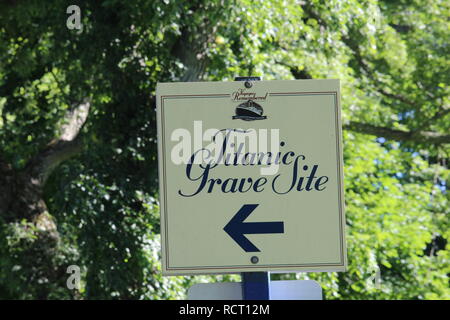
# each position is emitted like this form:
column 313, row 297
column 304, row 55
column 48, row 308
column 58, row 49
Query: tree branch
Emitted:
column 74, row 120
column 190, row 50
column 59, row 150
column 192, row 45
column 399, row 135
column 419, row 135
column 445, row 110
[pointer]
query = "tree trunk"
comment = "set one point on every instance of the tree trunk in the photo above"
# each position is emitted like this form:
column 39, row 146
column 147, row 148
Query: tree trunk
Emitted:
column 33, row 264
column 31, row 238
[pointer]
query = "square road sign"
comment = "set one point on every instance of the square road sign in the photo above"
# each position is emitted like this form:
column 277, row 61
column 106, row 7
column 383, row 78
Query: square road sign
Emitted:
column 251, row 177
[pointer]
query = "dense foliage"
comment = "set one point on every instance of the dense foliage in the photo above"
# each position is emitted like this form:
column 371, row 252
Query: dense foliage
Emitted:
column 89, row 196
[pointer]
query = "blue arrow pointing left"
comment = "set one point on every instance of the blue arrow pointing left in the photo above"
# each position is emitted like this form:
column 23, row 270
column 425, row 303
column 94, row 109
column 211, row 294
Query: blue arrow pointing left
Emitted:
column 236, row 228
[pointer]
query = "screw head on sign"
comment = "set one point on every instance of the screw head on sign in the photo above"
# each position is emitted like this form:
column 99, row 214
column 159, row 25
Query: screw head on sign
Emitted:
column 248, row 84
column 254, row 259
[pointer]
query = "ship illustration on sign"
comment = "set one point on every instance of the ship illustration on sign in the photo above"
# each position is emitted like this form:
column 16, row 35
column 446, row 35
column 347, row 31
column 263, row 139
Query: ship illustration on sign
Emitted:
column 249, row 110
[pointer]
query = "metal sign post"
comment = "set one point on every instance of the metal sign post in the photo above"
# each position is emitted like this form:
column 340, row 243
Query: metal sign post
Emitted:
column 256, row 285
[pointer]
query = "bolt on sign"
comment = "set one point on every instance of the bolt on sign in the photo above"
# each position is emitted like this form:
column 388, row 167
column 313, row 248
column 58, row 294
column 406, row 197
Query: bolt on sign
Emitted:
column 251, row 176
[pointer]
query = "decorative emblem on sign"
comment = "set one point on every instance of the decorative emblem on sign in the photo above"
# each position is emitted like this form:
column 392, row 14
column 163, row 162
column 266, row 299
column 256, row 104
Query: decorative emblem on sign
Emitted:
column 249, row 111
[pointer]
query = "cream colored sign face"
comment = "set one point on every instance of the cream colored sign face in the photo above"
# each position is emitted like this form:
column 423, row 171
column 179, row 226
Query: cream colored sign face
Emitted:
column 251, row 178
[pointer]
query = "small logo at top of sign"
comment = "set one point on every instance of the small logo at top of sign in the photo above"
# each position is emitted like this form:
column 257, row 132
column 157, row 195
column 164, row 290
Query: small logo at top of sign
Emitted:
column 244, row 95
column 249, row 111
